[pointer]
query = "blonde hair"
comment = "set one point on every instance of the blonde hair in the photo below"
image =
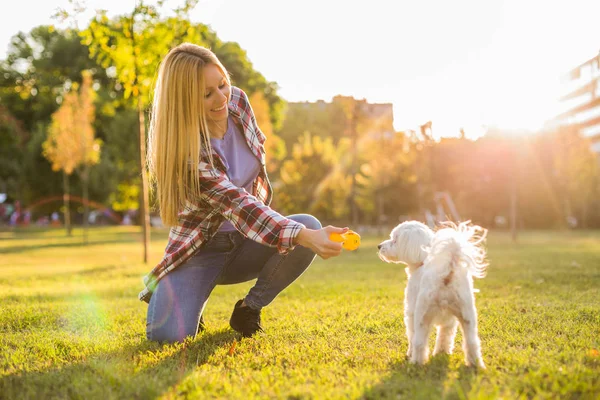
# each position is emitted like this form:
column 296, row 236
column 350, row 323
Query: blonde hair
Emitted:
column 178, row 128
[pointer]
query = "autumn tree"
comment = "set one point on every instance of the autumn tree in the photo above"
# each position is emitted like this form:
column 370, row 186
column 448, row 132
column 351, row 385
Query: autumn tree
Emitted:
column 312, row 180
column 274, row 146
column 70, row 143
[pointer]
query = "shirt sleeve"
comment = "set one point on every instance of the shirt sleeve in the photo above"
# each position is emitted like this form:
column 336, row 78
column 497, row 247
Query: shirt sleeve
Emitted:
column 250, row 216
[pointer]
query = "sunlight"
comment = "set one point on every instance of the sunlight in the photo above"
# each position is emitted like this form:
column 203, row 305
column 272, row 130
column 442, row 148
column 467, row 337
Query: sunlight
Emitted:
column 85, row 313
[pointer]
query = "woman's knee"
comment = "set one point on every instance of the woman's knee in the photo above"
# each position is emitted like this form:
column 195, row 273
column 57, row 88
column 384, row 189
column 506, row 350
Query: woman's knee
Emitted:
column 166, row 322
column 169, row 325
column 307, row 220
column 166, row 335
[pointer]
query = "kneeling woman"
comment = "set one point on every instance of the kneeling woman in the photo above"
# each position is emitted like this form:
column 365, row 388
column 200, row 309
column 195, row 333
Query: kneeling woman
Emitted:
column 207, row 159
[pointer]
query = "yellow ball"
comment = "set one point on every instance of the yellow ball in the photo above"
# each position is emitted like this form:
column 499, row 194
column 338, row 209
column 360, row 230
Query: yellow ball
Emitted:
column 350, row 240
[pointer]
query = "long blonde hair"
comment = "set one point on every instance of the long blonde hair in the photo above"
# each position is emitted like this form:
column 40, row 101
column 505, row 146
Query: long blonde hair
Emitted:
column 178, row 127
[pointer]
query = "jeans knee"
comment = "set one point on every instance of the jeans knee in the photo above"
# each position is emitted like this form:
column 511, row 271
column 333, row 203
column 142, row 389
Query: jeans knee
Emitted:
column 165, row 336
column 307, row 220
column 169, row 330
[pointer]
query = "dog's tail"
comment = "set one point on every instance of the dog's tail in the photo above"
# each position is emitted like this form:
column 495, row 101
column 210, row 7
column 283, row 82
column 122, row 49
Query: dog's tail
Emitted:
column 460, row 245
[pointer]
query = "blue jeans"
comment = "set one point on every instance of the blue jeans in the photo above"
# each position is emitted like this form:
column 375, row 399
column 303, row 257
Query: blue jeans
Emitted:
column 228, row 258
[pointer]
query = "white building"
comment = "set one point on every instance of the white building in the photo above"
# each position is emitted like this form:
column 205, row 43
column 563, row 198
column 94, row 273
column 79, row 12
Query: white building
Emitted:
column 581, row 100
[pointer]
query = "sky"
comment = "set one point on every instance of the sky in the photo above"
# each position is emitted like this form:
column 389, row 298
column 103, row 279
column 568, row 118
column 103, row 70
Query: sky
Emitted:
column 459, row 63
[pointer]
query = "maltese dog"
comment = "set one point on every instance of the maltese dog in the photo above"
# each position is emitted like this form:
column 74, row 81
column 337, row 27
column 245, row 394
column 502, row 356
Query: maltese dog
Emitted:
column 440, row 268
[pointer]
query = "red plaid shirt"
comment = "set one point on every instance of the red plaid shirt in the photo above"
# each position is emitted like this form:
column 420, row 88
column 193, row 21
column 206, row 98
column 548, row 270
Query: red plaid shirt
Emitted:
column 220, row 200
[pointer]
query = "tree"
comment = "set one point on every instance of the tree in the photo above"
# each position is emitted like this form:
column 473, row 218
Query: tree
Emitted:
column 274, row 146
column 387, row 178
column 71, row 143
column 133, row 45
column 90, row 147
column 576, row 170
column 311, row 179
column 40, row 66
column 12, row 143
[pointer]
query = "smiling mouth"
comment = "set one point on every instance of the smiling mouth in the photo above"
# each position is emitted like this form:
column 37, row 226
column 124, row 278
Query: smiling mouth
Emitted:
column 220, row 108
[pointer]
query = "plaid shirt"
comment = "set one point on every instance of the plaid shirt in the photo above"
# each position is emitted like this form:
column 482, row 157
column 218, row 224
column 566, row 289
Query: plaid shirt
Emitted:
column 220, row 200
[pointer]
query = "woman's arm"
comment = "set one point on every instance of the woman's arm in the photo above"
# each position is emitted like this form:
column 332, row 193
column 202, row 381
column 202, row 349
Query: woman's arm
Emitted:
column 318, row 241
column 249, row 215
column 260, row 222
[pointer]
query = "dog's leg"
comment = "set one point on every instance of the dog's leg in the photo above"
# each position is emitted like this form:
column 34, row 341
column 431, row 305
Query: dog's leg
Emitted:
column 419, row 346
column 444, row 342
column 410, row 300
column 409, row 321
column 471, row 342
column 422, row 327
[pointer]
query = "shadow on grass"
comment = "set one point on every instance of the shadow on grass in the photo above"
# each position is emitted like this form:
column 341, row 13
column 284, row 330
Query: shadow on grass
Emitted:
column 71, row 244
column 26, row 240
column 435, row 380
column 132, row 372
column 75, row 295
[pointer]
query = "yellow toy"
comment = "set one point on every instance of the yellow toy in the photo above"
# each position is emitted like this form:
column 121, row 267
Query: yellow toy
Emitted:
column 350, row 240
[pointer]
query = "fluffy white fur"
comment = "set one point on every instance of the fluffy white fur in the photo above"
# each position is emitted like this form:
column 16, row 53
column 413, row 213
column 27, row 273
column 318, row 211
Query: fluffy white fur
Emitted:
column 440, row 268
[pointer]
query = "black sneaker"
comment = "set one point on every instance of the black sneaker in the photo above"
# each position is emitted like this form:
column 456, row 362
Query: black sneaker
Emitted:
column 245, row 320
column 201, row 324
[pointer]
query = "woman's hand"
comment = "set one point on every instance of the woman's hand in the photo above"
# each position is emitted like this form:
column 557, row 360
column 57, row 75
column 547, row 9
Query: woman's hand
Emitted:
column 319, row 242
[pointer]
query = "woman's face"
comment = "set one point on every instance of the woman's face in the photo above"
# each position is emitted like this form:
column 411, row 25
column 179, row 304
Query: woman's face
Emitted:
column 217, row 93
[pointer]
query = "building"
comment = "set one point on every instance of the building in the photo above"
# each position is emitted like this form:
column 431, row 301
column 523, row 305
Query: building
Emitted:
column 581, row 100
column 342, row 116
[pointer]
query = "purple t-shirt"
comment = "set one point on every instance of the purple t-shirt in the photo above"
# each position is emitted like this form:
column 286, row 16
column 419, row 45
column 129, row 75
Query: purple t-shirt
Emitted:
column 241, row 164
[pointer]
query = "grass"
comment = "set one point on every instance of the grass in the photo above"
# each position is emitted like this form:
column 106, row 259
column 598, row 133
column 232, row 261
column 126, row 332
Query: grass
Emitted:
column 71, row 326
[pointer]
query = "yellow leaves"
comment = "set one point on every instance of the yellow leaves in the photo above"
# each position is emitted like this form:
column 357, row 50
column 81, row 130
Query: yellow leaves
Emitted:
column 232, row 348
column 109, row 109
column 260, row 106
column 133, row 45
column 70, row 142
column 126, row 197
column 127, row 92
column 313, row 179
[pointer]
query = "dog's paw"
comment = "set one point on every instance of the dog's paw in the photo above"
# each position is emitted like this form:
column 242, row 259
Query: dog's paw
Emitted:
column 476, row 364
column 419, row 359
column 437, row 351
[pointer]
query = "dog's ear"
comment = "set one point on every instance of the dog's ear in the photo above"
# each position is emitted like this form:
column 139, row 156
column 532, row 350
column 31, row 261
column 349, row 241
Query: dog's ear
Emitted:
column 404, row 244
column 412, row 243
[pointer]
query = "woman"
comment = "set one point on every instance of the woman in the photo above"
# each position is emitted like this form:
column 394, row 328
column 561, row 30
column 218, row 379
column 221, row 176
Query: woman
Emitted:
column 206, row 157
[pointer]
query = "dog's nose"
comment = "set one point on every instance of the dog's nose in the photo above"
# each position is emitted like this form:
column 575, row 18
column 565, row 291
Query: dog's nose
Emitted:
column 379, row 247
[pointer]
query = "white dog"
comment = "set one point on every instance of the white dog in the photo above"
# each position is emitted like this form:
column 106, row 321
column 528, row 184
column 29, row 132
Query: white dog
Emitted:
column 440, row 269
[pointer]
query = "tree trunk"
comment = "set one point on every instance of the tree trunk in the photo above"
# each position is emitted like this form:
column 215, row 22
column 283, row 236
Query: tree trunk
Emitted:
column 66, row 198
column 144, row 211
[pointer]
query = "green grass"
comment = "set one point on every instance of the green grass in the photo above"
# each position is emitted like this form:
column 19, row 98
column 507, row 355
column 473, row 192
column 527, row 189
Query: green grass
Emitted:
column 71, row 326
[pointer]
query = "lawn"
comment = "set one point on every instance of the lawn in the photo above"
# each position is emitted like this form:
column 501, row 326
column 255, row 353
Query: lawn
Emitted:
column 71, row 326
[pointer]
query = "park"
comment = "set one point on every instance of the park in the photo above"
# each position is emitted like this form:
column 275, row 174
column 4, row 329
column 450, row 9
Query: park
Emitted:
column 98, row 211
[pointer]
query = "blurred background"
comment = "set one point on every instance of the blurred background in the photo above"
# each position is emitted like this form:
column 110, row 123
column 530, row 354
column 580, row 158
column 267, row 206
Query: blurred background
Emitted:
column 375, row 112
